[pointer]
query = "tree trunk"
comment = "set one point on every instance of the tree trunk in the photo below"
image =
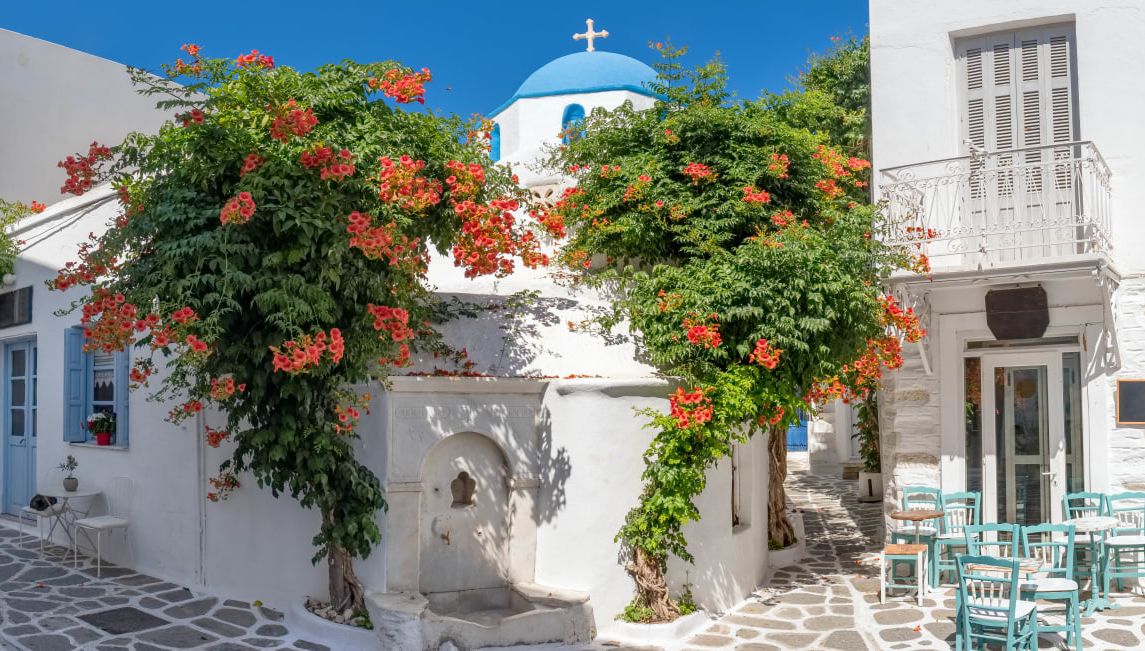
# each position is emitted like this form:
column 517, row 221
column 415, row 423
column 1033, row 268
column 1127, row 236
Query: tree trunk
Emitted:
column 779, row 530
column 345, row 589
column 651, row 586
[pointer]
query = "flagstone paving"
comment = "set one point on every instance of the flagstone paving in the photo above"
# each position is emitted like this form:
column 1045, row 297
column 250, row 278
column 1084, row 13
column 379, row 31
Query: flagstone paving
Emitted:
column 830, row 600
column 49, row 606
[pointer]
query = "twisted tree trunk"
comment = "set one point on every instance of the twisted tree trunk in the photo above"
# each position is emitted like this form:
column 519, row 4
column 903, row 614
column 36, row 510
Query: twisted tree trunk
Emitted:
column 779, row 530
column 651, row 586
column 345, row 589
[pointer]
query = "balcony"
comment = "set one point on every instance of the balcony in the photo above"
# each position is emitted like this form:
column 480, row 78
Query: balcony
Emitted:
column 1007, row 208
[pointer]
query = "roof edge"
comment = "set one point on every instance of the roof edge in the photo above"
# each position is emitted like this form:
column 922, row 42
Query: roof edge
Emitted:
column 574, row 91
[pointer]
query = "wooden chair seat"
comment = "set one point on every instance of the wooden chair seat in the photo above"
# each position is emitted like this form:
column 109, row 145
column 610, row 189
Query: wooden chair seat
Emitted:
column 904, row 550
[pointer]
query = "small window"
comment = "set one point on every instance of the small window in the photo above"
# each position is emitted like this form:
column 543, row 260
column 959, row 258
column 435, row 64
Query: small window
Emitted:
column 94, row 382
column 16, row 307
column 495, row 143
column 572, row 123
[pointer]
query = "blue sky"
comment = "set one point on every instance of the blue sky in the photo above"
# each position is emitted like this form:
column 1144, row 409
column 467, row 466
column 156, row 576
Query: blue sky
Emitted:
column 479, row 51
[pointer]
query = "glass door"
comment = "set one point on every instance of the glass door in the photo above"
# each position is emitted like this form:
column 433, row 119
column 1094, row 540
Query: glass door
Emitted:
column 19, row 425
column 1023, row 437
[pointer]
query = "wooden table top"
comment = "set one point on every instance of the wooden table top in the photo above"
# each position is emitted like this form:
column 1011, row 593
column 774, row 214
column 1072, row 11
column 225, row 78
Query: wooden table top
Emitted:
column 917, row 515
column 1093, row 523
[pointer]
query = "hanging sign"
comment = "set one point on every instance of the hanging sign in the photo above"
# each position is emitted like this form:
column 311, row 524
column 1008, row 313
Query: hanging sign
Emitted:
column 1131, row 402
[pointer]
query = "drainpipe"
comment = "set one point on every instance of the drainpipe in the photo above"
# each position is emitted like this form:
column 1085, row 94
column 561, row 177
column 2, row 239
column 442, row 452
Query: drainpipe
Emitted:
column 200, row 493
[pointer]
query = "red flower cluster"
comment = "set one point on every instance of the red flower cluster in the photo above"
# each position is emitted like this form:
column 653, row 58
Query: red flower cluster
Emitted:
column 320, row 156
column 779, row 166
column 216, row 436
column 348, row 415
column 393, row 320
column 699, row 172
column 690, row 407
column 224, row 485
column 466, row 180
column 194, row 116
column 194, row 68
column 783, row 218
column 292, row 121
column 403, row 88
column 82, row 170
column 829, row 188
column 552, row 222
column 224, row 388
column 703, row 334
column 378, row 242
column 298, row 356
column 251, row 163
column 196, row 345
column 399, row 183
column 765, row 355
column 487, row 240
column 37, row 207
column 751, row 195
column 607, row 170
column 841, row 168
column 238, row 210
column 109, row 321
column 774, row 418
column 254, row 60
column 903, row 320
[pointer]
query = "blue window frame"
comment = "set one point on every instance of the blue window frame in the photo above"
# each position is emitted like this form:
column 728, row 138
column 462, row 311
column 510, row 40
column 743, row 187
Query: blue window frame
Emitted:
column 94, row 382
column 572, row 123
column 495, row 143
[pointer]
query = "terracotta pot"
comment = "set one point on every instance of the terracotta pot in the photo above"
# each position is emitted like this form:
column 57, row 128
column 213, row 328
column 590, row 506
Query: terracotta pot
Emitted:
column 71, row 484
column 103, row 438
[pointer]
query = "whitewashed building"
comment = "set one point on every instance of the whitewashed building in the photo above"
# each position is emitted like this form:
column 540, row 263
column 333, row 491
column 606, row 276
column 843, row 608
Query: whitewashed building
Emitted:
column 555, row 463
column 1008, row 145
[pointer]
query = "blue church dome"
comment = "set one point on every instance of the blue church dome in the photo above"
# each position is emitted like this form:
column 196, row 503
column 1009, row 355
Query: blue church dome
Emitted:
column 585, row 72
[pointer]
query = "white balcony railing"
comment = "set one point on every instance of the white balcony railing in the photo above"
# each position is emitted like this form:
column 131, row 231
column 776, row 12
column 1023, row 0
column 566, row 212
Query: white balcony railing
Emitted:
column 1019, row 206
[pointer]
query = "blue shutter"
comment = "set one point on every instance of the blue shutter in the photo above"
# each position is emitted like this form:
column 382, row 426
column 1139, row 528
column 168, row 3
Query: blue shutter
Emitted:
column 572, row 123
column 495, row 143
column 122, row 394
column 74, row 368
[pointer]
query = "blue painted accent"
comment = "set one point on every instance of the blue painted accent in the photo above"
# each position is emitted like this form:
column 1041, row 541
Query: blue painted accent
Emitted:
column 122, row 395
column 797, row 434
column 571, row 120
column 75, row 371
column 585, row 72
column 495, row 143
column 18, row 424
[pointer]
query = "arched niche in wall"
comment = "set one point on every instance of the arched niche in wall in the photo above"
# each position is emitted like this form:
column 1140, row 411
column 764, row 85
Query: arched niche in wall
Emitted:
column 572, row 122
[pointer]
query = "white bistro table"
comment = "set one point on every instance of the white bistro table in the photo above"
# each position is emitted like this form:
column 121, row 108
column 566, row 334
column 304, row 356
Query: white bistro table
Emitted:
column 1096, row 526
column 66, row 509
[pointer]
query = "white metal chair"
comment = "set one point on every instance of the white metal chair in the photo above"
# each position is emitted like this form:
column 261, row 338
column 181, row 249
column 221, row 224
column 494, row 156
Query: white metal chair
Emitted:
column 119, row 494
column 52, row 513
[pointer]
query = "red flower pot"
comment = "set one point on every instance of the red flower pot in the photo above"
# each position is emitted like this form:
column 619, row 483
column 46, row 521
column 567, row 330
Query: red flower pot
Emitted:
column 103, row 438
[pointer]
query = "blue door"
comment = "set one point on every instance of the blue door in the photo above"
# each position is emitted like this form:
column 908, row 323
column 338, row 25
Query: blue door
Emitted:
column 797, row 434
column 19, row 423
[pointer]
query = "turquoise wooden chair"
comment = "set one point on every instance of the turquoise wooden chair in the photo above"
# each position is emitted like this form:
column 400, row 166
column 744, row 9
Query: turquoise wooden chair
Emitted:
column 926, row 499
column 1125, row 547
column 961, row 509
column 1003, row 543
column 1052, row 545
column 990, row 610
column 1084, row 504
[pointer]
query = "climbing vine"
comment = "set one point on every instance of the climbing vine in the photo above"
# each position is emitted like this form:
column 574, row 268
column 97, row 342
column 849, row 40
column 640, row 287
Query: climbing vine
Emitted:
column 271, row 255
column 741, row 246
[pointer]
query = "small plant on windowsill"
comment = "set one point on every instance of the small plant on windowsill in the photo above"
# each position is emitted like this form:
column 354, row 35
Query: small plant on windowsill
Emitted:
column 102, row 425
column 69, row 468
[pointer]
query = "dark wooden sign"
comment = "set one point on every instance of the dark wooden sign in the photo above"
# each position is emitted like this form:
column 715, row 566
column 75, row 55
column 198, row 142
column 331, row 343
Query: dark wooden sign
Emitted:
column 1020, row 313
column 1131, row 402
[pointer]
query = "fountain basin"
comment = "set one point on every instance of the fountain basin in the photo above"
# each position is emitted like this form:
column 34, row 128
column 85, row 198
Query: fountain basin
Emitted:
column 520, row 613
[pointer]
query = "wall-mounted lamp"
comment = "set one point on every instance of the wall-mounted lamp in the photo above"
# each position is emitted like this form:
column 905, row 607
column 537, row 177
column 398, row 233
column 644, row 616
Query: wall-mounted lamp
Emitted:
column 9, row 279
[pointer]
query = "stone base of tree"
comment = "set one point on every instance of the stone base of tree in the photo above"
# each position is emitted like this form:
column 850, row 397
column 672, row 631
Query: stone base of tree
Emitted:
column 315, row 626
column 792, row 554
column 870, row 486
column 662, row 634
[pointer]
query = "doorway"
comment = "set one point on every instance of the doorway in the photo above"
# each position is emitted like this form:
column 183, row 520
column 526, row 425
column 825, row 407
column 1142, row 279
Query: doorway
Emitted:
column 19, row 424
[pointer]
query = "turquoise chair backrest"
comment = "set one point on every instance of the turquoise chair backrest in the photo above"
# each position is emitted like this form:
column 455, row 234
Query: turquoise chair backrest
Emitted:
column 1084, row 505
column 996, row 539
column 1129, row 509
column 961, row 510
column 915, row 498
column 987, row 592
column 1052, row 544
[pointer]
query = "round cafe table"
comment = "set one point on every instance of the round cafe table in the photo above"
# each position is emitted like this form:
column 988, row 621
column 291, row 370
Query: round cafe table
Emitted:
column 1096, row 526
column 66, row 509
column 917, row 516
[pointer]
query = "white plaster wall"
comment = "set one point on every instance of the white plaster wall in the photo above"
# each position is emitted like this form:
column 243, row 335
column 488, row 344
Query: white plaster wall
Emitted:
column 56, row 101
column 914, row 93
column 598, row 442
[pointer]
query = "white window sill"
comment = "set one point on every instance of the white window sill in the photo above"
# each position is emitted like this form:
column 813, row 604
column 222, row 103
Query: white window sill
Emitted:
column 119, row 448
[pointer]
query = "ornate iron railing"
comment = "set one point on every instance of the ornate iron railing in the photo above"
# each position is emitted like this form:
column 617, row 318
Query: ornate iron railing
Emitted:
column 1000, row 208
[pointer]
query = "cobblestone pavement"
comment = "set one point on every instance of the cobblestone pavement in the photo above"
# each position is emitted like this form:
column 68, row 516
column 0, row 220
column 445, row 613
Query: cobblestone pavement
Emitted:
column 830, row 600
column 47, row 605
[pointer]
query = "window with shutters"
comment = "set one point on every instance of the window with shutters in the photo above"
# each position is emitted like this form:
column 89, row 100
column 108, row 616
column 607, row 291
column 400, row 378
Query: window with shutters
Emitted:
column 94, row 382
column 1019, row 128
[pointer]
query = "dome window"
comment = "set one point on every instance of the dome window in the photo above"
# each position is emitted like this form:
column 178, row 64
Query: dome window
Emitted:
column 495, row 143
column 572, row 123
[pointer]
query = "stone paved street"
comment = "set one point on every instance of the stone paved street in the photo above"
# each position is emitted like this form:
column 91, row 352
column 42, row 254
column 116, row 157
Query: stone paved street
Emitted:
column 831, row 600
column 48, row 606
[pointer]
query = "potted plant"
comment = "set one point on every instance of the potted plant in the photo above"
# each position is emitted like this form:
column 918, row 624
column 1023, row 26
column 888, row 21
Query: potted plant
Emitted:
column 102, row 425
column 867, row 432
column 69, row 467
